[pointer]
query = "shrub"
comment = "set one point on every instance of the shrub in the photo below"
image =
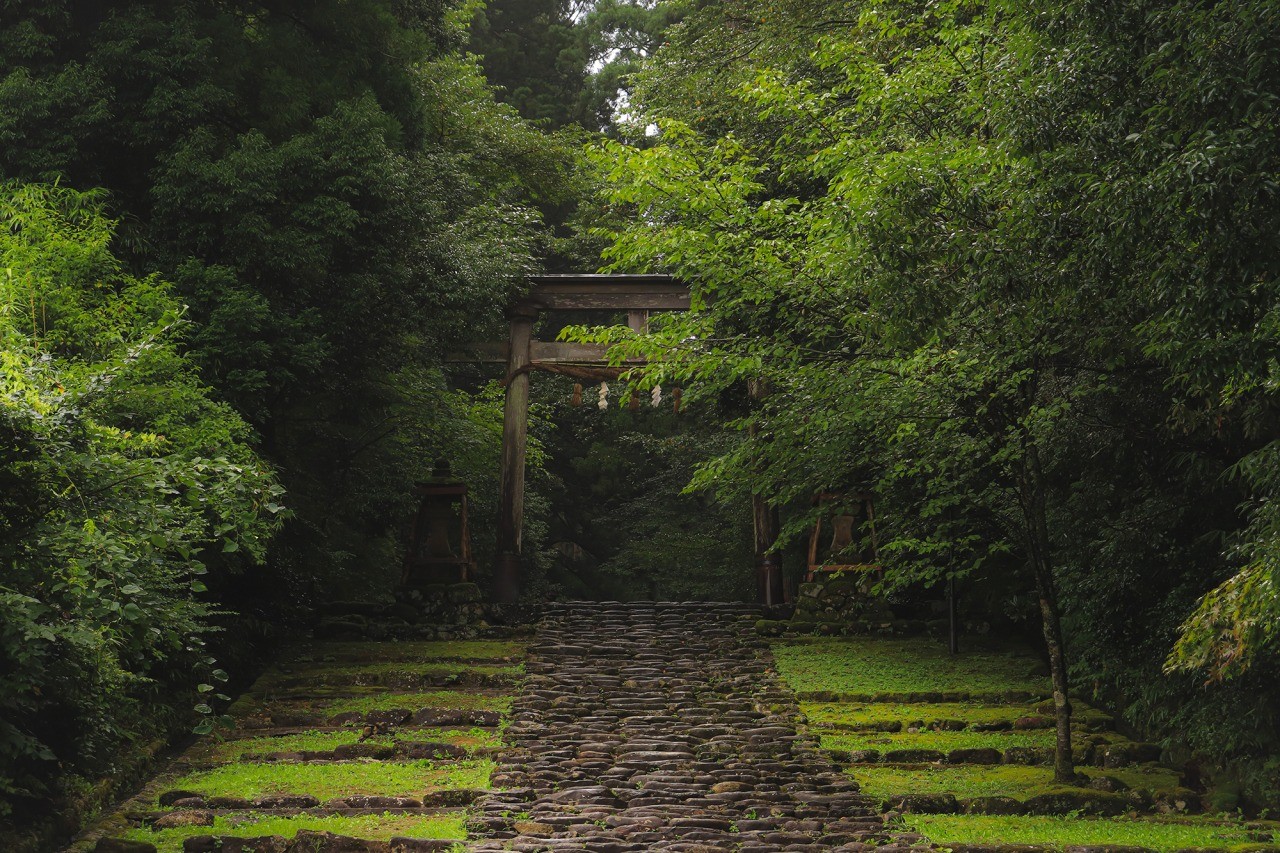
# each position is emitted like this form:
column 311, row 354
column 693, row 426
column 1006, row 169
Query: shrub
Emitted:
column 121, row 484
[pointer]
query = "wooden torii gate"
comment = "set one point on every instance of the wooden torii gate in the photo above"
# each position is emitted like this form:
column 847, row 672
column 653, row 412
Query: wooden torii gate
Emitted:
column 637, row 295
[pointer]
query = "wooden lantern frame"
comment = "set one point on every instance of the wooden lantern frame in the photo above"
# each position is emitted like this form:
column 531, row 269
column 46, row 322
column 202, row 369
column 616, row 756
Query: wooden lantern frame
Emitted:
column 815, row 538
column 463, row 562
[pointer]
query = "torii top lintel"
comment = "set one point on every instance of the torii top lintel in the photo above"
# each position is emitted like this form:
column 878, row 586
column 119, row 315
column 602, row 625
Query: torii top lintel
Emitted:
column 595, row 292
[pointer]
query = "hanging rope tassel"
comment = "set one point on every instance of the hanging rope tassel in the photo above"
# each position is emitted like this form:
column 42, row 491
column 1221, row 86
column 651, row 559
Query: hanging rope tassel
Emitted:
column 675, row 401
column 604, row 396
column 576, row 400
column 655, row 396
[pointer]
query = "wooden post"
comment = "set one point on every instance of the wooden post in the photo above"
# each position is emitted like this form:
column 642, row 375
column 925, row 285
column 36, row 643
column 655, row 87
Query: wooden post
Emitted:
column 515, row 426
column 638, row 322
column 764, row 518
column 768, row 567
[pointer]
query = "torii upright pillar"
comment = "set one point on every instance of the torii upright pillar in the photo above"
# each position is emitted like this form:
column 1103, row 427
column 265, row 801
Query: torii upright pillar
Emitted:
column 515, row 428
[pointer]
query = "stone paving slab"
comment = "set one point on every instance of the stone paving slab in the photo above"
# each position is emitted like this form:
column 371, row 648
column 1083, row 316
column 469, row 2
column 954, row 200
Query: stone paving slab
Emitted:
column 662, row 726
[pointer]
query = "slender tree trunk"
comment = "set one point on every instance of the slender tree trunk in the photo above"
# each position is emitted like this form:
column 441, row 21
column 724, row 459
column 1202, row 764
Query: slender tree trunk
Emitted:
column 1037, row 530
column 764, row 518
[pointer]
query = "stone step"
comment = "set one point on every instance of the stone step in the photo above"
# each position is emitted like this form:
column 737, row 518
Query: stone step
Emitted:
column 667, row 729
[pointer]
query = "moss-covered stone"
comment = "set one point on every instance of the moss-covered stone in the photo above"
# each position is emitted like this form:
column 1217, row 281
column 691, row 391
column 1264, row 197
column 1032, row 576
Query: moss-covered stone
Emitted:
column 993, row 805
column 770, row 627
column 1089, row 802
column 914, row 756
column 974, row 756
column 925, row 803
column 1029, row 755
column 122, row 845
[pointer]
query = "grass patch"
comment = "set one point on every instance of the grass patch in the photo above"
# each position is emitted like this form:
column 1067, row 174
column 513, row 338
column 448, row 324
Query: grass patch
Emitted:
column 377, row 827
column 1065, row 831
column 330, row 781
column 1005, row 780
column 454, row 699
column 944, row 741
column 462, row 650
column 317, row 741
column 906, row 665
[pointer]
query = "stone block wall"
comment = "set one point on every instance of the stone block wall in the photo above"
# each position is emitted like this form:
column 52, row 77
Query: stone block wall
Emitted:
column 840, row 603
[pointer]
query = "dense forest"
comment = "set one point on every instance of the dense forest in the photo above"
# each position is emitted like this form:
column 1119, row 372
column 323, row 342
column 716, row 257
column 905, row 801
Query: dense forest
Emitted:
column 1011, row 267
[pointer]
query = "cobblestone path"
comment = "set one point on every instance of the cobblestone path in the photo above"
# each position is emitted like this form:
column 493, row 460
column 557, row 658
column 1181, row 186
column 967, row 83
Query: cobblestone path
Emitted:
column 661, row 727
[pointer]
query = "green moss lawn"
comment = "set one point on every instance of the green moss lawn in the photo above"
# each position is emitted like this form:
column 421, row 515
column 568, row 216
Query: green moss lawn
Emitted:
column 372, row 826
column 1005, row 780
column 450, row 699
column 330, row 781
column 854, row 715
column 326, row 741
column 943, row 741
column 1061, row 832
column 866, row 665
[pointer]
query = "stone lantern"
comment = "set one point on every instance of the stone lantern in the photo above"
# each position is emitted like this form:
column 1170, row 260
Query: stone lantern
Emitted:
column 440, row 545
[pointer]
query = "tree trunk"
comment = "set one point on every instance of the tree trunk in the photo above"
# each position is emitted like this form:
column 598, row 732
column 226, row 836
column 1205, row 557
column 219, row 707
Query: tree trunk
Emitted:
column 1064, row 770
column 1037, row 533
column 764, row 523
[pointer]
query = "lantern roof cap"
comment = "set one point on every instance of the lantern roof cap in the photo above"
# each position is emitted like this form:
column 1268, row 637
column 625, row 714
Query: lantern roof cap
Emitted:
column 441, row 481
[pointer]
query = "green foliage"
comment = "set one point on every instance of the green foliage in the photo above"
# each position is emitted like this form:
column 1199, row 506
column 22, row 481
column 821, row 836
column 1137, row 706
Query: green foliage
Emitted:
column 568, row 61
column 336, row 195
column 533, row 54
column 1060, row 832
column 619, row 35
column 1007, row 268
column 122, row 484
